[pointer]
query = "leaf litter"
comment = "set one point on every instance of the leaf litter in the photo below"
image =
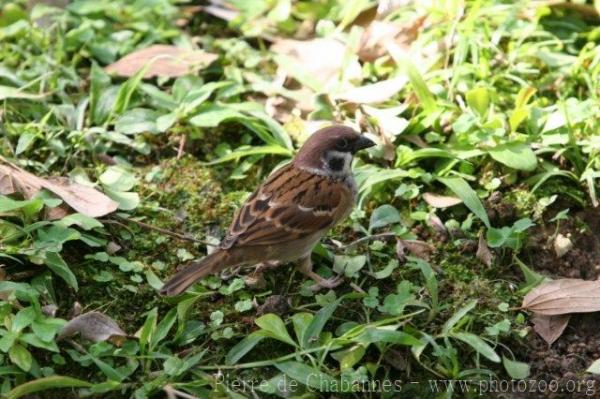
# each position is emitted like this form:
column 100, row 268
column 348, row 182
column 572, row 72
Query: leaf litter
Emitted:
column 83, row 199
column 164, row 60
column 94, row 326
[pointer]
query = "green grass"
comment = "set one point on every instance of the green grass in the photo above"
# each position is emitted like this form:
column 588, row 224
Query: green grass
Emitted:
column 508, row 104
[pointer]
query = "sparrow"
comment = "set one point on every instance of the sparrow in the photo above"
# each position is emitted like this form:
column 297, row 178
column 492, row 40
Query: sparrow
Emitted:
column 289, row 212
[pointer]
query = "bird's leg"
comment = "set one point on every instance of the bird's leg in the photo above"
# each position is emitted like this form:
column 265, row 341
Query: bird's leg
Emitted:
column 305, row 267
column 257, row 279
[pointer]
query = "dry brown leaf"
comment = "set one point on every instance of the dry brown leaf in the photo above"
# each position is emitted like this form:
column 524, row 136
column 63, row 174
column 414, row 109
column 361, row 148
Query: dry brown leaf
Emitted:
column 379, row 33
column 440, row 201
column 483, row 251
column 550, row 328
column 84, row 199
column 417, row 248
column 94, row 326
column 50, row 310
column 374, row 93
column 322, row 59
column 434, row 221
column 386, row 7
column 562, row 245
column 169, row 61
column 221, row 9
column 564, row 296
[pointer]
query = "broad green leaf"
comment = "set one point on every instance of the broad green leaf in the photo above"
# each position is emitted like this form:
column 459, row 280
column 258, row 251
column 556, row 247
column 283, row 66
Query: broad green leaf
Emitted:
column 515, row 155
column 30, row 207
column 164, row 122
column 244, row 346
column 23, row 318
column 478, row 344
column 7, row 340
column 213, row 115
column 273, row 324
column 56, row 263
column 384, row 216
column 301, row 321
column 163, row 327
column 25, row 141
column 456, row 317
column 478, row 99
column 348, row 358
column 385, row 334
column 517, row 370
column 127, row 200
column 461, row 188
column 34, row 340
column 137, row 120
column 81, row 220
column 20, row 356
column 348, row 265
column 308, row 376
column 314, row 329
column 196, row 97
column 118, row 179
column 45, row 384
column 387, row 270
column 395, row 303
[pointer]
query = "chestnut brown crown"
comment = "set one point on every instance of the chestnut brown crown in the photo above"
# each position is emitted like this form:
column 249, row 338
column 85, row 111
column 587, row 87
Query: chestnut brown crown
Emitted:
column 337, row 138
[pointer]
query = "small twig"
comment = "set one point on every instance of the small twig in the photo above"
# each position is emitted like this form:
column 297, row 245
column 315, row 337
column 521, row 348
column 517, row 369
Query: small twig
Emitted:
column 165, row 231
column 357, row 288
column 182, row 142
column 365, row 239
column 174, row 393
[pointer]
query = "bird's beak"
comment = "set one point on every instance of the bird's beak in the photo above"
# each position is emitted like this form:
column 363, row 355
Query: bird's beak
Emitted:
column 362, row 143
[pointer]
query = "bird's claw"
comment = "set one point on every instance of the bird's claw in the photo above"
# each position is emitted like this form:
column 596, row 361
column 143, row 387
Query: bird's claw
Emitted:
column 328, row 283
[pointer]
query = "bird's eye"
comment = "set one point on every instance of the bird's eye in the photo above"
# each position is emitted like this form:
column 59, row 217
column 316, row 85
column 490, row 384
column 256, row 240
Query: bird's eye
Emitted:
column 342, row 144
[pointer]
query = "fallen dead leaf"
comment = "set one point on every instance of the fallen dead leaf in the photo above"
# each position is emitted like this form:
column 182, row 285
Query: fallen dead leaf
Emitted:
column 84, row 199
column 169, row 61
column 379, row 33
column 386, row 7
column 563, row 296
column 320, row 59
column 94, row 326
column 550, row 328
column 221, row 9
column 434, row 221
column 50, row 310
column 417, row 248
column 373, row 93
column 562, row 245
column 440, row 201
column 389, row 125
column 483, row 251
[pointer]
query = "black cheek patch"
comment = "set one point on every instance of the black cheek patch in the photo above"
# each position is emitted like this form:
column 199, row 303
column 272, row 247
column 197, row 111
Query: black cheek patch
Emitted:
column 336, row 164
column 260, row 206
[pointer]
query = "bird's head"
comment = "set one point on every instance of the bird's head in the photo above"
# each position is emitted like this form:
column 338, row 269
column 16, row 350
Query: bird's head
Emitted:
column 330, row 150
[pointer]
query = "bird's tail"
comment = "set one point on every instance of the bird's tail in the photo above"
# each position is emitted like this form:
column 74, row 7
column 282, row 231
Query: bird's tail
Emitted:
column 184, row 278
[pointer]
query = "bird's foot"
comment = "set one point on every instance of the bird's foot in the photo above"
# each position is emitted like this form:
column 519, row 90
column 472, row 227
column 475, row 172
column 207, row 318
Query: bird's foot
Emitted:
column 257, row 279
column 328, row 283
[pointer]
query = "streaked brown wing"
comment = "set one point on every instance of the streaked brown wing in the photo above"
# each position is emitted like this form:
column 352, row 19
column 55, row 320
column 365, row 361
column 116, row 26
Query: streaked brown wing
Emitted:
column 290, row 205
